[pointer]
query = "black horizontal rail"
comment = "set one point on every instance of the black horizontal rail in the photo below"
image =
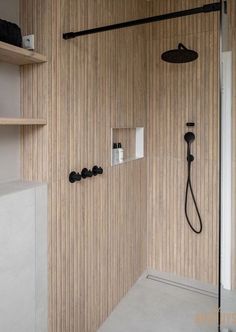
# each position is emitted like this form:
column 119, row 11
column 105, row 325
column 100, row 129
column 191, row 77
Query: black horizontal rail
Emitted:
column 213, row 7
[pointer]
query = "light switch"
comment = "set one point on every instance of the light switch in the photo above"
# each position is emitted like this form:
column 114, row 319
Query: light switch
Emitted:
column 28, row 42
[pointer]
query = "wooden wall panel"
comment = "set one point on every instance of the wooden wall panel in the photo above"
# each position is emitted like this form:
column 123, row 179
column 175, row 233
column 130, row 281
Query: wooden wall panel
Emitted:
column 178, row 94
column 98, row 228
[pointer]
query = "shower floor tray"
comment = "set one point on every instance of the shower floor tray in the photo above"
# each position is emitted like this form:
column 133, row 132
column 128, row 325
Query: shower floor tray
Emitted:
column 159, row 302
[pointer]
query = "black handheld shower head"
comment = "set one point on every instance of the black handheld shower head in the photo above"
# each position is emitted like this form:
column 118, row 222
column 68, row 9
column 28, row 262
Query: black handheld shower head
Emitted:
column 189, row 137
column 180, row 55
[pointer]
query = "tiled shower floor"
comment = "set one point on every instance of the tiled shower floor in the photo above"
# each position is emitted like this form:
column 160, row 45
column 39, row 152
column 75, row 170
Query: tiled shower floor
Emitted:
column 160, row 305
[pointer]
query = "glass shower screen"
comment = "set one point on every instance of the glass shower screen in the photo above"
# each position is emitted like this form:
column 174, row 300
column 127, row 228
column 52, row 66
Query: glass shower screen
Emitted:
column 227, row 264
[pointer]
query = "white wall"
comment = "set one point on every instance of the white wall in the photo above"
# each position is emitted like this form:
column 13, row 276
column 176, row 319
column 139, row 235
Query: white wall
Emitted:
column 9, row 104
column 23, row 260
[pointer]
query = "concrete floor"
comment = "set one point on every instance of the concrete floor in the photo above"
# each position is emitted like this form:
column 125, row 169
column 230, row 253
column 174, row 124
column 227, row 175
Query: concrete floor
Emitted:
column 167, row 305
column 228, row 309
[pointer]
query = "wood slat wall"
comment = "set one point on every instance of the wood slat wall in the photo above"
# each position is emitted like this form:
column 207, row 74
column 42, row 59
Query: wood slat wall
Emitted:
column 98, row 241
column 179, row 94
column 97, row 228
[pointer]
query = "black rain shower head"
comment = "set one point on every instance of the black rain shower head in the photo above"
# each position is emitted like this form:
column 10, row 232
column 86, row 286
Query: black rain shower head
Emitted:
column 180, row 55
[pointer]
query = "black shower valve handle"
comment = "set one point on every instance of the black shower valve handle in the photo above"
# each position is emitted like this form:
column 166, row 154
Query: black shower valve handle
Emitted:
column 97, row 170
column 86, row 173
column 74, row 177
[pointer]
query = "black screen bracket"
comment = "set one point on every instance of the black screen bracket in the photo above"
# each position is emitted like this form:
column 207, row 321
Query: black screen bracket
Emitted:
column 213, row 7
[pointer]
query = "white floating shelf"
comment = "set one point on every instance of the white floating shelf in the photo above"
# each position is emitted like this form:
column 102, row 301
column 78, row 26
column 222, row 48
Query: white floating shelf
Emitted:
column 22, row 122
column 19, row 56
column 132, row 140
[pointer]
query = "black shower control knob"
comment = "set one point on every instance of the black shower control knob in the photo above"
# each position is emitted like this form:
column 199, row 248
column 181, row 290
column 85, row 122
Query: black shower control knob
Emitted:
column 90, row 173
column 86, row 173
column 74, row 177
column 100, row 170
column 97, row 170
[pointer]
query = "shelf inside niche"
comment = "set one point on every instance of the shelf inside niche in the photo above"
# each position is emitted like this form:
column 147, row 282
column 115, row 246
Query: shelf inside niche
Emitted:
column 22, row 122
column 132, row 140
column 19, row 56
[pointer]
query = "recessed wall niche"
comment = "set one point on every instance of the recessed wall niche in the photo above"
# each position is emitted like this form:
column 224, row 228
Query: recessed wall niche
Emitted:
column 132, row 142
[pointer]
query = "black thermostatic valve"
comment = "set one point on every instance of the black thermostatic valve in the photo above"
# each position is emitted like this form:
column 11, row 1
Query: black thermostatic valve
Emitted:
column 74, row 177
column 97, row 170
column 86, row 173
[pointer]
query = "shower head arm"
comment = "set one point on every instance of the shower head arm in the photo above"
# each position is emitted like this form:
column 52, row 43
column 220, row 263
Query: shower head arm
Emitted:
column 181, row 47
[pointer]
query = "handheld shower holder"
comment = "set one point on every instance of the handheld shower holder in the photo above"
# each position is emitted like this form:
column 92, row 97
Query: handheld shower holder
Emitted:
column 190, row 158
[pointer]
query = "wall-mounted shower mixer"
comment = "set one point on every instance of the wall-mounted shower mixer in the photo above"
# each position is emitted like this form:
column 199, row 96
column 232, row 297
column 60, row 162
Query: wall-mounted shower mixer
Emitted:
column 85, row 173
column 97, row 170
column 189, row 138
column 74, row 177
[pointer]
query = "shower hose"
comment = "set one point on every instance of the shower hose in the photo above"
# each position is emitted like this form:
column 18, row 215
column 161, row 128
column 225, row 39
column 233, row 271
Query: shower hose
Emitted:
column 190, row 159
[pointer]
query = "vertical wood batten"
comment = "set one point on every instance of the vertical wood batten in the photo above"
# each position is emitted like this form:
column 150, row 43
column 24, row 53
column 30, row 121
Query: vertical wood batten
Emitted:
column 97, row 228
column 97, row 240
column 187, row 92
